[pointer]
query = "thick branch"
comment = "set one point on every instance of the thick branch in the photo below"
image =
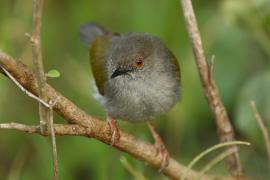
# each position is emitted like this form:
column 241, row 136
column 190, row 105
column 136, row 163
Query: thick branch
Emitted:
column 94, row 127
column 224, row 127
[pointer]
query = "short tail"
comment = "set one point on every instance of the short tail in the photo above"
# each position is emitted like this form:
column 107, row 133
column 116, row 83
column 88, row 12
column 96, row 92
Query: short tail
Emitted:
column 89, row 32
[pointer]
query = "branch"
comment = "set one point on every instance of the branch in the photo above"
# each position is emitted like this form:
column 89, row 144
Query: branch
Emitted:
column 37, row 61
column 216, row 160
column 45, row 114
column 262, row 127
column 53, row 141
column 60, row 129
column 31, row 95
column 89, row 126
column 224, row 127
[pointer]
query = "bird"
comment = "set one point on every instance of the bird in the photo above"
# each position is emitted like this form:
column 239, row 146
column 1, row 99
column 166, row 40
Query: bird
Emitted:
column 136, row 78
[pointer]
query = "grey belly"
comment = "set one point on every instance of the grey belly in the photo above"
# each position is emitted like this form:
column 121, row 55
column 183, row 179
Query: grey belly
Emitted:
column 137, row 105
column 139, row 101
column 131, row 109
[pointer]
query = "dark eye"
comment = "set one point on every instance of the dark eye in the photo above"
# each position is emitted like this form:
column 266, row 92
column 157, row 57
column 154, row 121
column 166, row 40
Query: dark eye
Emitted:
column 139, row 62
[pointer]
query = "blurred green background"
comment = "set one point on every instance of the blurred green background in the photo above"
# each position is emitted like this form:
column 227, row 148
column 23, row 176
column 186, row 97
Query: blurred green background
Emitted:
column 236, row 32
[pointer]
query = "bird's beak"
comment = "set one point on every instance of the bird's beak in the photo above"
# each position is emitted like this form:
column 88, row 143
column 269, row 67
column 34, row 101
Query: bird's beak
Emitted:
column 119, row 72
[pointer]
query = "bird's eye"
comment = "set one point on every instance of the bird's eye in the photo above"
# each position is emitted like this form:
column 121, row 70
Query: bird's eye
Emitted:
column 139, row 62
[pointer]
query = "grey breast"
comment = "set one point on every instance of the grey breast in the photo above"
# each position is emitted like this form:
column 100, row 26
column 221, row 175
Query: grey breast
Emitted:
column 141, row 99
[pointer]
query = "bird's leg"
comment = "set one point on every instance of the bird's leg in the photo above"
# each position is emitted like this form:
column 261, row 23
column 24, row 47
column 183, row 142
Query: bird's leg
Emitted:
column 160, row 147
column 114, row 129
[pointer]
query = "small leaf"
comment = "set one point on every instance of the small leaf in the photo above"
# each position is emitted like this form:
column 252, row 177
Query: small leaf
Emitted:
column 53, row 73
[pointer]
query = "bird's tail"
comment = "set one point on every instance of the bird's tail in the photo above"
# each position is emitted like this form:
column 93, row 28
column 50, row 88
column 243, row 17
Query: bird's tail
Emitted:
column 89, row 32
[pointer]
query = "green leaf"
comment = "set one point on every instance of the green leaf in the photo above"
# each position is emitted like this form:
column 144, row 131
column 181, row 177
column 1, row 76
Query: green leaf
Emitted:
column 53, row 73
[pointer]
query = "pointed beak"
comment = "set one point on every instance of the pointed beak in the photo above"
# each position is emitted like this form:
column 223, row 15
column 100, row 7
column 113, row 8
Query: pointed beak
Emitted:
column 119, row 72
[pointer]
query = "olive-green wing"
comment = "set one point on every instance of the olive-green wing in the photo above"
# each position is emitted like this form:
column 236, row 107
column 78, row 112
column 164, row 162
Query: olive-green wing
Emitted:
column 98, row 59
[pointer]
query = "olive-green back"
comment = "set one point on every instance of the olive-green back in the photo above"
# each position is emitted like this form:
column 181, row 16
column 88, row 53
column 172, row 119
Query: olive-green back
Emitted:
column 98, row 60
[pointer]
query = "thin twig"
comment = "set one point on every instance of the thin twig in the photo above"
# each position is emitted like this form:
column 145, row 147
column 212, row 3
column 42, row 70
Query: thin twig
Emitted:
column 37, row 60
column 215, row 147
column 60, row 129
column 20, row 127
column 45, row 114
column 84, row 124
column 53, row 140
column 262, row 127
column 224, row 127
column 215, row 161
column 23, row 89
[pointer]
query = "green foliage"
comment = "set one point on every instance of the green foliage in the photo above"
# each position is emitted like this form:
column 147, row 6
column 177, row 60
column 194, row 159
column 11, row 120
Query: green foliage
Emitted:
column 236, row 32
column 257, row 89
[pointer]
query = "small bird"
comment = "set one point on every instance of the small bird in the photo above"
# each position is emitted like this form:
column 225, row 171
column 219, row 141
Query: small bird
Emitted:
column 137, row 78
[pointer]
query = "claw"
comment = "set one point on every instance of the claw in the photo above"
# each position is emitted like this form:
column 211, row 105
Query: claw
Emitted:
column 114, row 130
column 160, row 147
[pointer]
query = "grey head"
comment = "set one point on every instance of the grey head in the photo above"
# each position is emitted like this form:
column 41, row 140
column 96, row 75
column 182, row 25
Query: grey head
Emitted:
column 143, row 78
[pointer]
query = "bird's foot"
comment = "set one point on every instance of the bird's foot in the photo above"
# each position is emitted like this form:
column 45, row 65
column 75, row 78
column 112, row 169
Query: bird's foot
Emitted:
column 114, row 130
column 160, row 148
